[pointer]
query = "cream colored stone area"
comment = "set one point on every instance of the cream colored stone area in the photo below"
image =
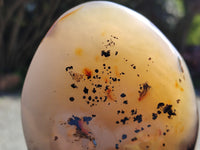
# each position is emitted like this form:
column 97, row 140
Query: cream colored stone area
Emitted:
column 11, row 128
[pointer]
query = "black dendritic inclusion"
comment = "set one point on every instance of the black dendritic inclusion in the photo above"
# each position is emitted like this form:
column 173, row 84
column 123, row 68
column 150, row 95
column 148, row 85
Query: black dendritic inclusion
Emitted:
column 69, row 68
column 138, row 118
column 105, row 53
column 144, row 88
column 168, row 109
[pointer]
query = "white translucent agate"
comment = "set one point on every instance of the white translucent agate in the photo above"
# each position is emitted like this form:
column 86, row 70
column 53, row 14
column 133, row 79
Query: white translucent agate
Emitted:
column 105, row 78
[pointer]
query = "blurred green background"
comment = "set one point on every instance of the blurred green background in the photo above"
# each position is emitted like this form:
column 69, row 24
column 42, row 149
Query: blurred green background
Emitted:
column 23, row 24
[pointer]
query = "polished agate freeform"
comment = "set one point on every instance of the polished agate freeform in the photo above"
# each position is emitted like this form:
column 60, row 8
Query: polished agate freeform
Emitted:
column 105, row 78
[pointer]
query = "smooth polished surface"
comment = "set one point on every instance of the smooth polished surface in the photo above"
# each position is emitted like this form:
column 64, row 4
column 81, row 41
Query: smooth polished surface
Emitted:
column 11, row 126
column 105, row 78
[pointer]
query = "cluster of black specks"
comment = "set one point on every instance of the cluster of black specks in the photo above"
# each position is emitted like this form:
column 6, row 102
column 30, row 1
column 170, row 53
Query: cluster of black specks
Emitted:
column 133, row 66
column 154, row 116
column 133, row 111
column 114, row 37
column 123, row 137
column 165, row 132
column 111, row 41
column 149, row 61
column 123, row 120
column 95, row 77
column 138, row 118
column 132, row 116
column 168, row 110
column 163, row 108
column 122, row 73
column 123, row 95
column 105, row 90
column 134, row 139
column 125, row 59
column 120, row 111
column 110, row 76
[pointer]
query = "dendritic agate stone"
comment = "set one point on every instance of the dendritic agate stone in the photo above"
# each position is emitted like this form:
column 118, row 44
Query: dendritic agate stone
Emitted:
column 105, row 78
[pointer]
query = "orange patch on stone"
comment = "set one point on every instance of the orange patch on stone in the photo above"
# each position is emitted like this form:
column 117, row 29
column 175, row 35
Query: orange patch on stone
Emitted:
column 97, row 58
column 181, row 129
column 79, row 51
column 103, row 33
column 178, row 86
column 141, row 98
column 109, row 94
column 70, row 132
column 159, row 132
column 87, row 72
column 68, row 14
column 106, row 80
column 168, row 102
column 117, row 71
column 81, row 125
